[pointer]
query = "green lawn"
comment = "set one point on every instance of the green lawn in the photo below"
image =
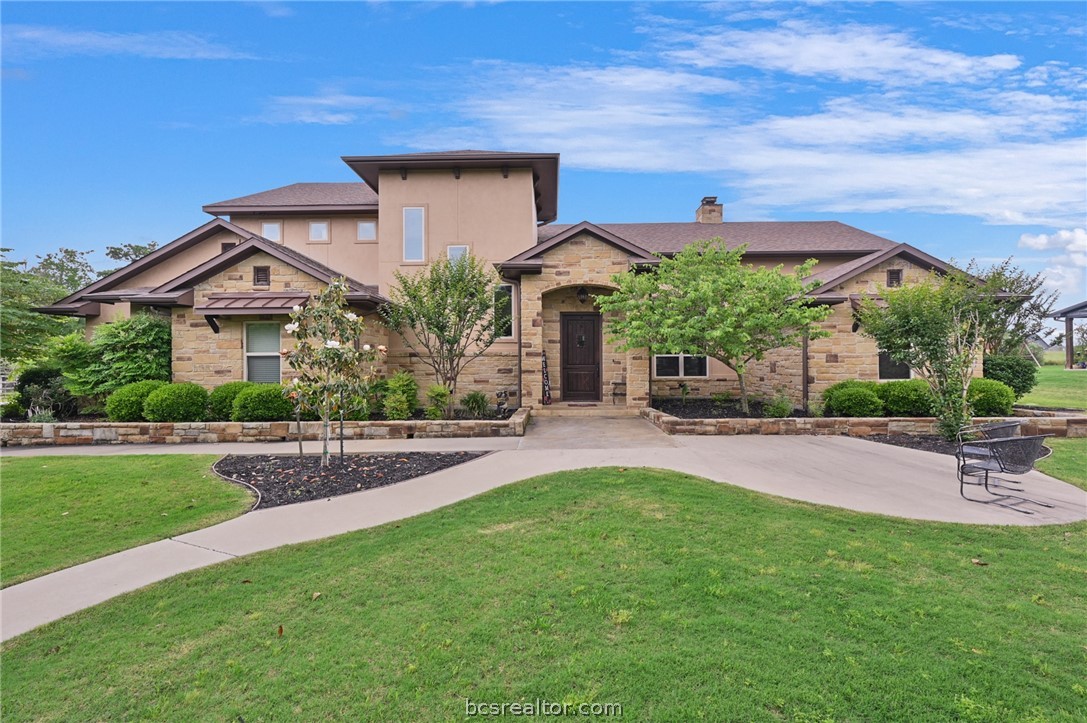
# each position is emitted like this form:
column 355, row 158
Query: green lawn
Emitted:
column 678, row 598
column 1068, row 461
column 56, row 512
column 1058, row 387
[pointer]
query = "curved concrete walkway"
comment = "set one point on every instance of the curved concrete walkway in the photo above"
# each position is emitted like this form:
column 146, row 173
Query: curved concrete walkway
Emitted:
column 838, row 471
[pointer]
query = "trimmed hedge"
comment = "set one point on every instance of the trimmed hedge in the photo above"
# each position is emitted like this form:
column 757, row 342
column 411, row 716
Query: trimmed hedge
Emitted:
column 126, row 404
column 857, row 401
column 830, row 394
column 221, row 400
column 906, row 398
column 1018, row 373
column 184, row 402
column 990, row 398
column 262, row 403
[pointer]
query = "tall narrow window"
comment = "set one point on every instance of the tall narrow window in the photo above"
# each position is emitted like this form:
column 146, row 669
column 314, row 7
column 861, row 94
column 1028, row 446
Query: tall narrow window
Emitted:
column 318, row 232
column 262, row 275
column 503, row 310
column 894, row 278
column 262, row 352
column 891, row 369
column 414, row 234
column 272, row 230
column 367, row 231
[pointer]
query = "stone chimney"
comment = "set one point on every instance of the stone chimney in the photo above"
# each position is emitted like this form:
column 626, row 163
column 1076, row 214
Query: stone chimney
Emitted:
column 710, row 211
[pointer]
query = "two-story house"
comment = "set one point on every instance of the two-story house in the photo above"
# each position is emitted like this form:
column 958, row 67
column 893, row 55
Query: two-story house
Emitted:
column 229, row 285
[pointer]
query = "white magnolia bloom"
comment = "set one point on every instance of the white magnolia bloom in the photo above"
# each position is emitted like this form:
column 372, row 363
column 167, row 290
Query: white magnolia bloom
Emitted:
column 366, row 347
column 296, row 308
column 332, row 344
column 291, row 328
column 350, row 316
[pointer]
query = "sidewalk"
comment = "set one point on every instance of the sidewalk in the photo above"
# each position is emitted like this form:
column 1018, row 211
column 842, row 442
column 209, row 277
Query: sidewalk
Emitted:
column 838, row 471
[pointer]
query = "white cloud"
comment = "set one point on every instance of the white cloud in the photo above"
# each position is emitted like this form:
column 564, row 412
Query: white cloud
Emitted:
column 327, row 108
column 1065, row 269
column 850, row 53
column 28, row 42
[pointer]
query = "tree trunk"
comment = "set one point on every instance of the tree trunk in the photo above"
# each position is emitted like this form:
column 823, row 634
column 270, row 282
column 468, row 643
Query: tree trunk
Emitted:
column 743, row 393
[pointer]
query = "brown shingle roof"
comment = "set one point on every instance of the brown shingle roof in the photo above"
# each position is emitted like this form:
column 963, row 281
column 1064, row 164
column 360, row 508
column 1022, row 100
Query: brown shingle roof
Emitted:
column 761, row 237
column 301, row 197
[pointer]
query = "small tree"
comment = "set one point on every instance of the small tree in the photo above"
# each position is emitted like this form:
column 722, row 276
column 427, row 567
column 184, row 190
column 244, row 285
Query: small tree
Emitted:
column 447, row 315
column 705, row 301
column 330, row 362
column 935, row 328
column 121, row 352
column 1014, row 307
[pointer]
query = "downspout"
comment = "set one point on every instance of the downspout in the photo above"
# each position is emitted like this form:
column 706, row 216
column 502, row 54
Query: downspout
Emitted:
column 804, row 371
column 520, row 349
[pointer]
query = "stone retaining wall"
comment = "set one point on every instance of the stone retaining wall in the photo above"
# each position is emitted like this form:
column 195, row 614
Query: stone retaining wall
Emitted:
column 61, row 433
column 851, row 426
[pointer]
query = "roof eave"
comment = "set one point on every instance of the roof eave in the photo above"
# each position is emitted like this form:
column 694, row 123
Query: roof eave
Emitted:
column 220, row 210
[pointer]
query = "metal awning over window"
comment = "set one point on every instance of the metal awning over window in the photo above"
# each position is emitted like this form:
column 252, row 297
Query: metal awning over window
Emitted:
column 255, row 302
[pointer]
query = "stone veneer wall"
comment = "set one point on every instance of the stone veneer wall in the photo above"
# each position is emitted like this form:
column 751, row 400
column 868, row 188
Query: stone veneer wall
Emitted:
column 582, row 261
column 495, row 370
column 851, row 426
column 63, row 434
column 209, row 359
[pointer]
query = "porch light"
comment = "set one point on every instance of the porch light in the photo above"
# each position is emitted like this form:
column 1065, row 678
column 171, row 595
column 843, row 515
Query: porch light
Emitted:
column 582, row 294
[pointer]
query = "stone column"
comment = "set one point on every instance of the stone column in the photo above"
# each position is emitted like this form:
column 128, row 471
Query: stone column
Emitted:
column 638, row 378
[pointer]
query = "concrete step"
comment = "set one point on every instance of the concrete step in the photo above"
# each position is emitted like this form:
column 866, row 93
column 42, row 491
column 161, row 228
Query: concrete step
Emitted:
column 584, row 409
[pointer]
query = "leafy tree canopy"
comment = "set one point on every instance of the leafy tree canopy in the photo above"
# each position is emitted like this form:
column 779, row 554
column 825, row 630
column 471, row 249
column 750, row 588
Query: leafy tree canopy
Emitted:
column 1016, row 306
column 24, row 332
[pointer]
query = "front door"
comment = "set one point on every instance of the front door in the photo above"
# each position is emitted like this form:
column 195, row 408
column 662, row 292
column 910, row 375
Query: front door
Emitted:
column 580, row 343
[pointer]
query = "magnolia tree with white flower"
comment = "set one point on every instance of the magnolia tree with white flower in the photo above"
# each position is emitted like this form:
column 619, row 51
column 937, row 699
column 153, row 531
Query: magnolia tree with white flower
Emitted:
column 327, row 358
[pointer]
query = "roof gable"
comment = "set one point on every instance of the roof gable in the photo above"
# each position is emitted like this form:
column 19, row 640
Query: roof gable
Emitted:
column 638, row 254
column 838, row 275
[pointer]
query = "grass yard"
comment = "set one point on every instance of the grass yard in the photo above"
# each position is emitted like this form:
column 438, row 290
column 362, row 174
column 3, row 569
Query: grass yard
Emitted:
column 678, row 598
column 1068, row 461
column 56, row 512
column 1058, row 387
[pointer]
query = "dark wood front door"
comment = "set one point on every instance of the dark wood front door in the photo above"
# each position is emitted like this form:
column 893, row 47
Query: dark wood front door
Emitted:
column 580, row 342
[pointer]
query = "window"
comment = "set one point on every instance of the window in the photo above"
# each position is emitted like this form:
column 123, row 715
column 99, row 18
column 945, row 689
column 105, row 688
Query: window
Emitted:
column 271, row 230
column 890, row 369
column 262, row 275
column 262, row 352
column 894, row 278
column 318, row 232
column 367, row 231
column 456, row 252
column 414, row 234
column 503, row 310
column 226, row 246
column 679, row 365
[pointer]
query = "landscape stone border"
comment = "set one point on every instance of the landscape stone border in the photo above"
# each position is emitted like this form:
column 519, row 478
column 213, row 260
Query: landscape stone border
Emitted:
column 72, row 433
column 850, row 426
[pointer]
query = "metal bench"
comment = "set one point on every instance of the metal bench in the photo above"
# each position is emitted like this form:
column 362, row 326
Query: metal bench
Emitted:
column 983, row 459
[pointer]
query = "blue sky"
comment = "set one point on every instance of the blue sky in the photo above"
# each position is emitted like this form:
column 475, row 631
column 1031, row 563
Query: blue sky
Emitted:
column 956, row 127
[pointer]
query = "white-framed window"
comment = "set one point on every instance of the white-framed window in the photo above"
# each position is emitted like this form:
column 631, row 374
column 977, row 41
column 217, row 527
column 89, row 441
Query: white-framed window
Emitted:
column 262, row 352
column 367, row 231
column 891, row 369
column 503, row 310
column 272, row 230
column 455, row 252
column 679, row 365
column 414, row 233
column 318, row 232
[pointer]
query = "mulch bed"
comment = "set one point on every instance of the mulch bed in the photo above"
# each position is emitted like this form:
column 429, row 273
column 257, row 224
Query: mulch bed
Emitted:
column 698, row 408
column 286, row 479
column 927, row 443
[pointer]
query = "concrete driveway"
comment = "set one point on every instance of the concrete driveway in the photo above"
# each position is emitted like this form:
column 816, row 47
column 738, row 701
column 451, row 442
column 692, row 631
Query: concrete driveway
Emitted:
column 839, row 471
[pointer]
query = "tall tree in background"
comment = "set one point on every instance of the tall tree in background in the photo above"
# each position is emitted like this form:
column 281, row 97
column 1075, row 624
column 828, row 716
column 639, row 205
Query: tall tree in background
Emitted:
column 67, row 268
column 1015, row 306
column 24, row 332
column 705, row 301
column 127, row 253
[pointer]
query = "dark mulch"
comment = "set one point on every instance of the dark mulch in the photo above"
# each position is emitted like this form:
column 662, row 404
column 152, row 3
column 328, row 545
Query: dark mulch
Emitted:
column 927, row 443
column 286, row 479
column 698, row 408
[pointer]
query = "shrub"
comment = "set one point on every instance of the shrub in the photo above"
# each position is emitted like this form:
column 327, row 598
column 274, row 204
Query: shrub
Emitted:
column 857, row 401
column 221, row 400
column 779, row 406
column 125, row 351
column 396, row 406
column 184, row 402
column 438, row 396
column 830, row 394
column 262, row 403
column 404, row 384
column 13, row 410
column 1018, row 373
column 990, row 398
column 906, row 398
column 126, row 404
column 474, row 404
column 42, row 388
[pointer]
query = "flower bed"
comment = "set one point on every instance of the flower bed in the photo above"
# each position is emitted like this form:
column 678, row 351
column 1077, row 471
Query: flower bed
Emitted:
column 850, row 426
column 61, row 433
